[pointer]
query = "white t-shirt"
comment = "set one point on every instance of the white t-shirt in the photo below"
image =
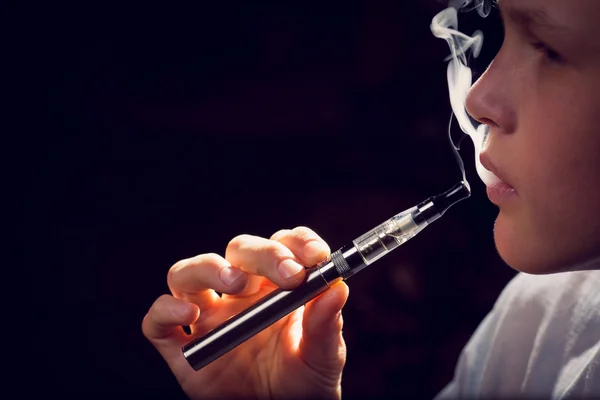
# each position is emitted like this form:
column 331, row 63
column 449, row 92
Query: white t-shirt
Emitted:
column 541, row 340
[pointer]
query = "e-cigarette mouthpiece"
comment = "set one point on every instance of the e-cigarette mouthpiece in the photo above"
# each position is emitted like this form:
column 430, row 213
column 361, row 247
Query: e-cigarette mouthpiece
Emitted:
column 341, row 265
column 394, row 232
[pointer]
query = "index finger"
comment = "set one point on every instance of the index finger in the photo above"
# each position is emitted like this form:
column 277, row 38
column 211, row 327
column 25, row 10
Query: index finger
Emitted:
column 309, row 247
column 196, row 279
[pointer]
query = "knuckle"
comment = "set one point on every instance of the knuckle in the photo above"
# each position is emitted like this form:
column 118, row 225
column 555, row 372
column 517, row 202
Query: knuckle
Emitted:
column 280, row 234
column 145, row 327
column 161, row 304
column 237, row 242
column 304, row 233
column 276, row 250
column 175, row 270
column 159, row 307
column 180, row 266
column 342, row 353
column 210, row 259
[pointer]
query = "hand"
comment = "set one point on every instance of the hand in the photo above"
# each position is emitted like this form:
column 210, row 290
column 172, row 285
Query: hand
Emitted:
column 300, row 356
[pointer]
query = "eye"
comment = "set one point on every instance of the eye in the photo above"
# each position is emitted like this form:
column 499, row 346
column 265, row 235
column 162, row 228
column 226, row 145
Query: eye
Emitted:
column 550, row 54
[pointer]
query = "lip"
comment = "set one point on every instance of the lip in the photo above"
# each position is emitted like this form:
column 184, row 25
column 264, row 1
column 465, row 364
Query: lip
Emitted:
column 498, row 192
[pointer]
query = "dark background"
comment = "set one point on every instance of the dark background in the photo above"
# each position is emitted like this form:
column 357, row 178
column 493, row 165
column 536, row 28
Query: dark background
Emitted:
column 157, row 131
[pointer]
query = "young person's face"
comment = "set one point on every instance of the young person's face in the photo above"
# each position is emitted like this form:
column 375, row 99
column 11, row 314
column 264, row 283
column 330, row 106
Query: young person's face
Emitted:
column 541, row 100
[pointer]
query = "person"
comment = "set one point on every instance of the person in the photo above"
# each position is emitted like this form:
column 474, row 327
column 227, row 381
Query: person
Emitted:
column 540, row 98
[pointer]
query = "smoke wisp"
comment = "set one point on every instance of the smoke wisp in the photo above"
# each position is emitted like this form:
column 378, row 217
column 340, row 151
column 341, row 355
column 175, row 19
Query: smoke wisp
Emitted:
column 460, row 78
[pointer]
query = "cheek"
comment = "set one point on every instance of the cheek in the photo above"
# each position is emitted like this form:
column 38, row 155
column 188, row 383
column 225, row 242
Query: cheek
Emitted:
column 556, row 221
column 558, row 146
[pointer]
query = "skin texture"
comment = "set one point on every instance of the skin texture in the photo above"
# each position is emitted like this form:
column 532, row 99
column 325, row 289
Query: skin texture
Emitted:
column 542, row 107
column 307, row 345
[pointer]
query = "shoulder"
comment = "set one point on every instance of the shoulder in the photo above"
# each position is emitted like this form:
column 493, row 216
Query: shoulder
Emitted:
column 535, row 311
column 540, row 326
column 569, row 289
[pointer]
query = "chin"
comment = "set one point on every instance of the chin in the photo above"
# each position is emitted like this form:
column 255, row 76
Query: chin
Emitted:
column 525, row 251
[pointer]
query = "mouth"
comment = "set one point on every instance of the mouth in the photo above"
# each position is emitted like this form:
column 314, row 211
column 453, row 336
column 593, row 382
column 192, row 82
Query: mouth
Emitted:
column 498, row 192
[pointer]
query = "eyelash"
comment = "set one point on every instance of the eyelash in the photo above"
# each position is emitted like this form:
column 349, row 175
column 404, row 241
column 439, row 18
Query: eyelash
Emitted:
column 549, row 53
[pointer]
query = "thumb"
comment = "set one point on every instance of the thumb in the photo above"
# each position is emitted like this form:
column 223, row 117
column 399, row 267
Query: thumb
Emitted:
column 322, row 346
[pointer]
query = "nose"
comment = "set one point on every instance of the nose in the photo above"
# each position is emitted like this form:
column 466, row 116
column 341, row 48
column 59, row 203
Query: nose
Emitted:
column 489, row 100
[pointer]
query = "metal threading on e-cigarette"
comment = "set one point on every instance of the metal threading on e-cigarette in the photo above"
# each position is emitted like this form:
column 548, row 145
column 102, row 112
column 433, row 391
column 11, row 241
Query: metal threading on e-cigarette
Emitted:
column 341, row 265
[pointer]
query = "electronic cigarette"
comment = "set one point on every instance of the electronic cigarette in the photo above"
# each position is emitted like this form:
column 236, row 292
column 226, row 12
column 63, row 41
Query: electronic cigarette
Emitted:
column 340, row 265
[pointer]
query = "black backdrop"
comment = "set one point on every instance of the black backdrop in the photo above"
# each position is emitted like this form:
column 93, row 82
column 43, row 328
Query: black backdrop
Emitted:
column 158, row 131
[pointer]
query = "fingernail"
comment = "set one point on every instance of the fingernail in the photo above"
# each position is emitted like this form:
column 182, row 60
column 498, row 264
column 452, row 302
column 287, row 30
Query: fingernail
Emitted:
column 229, row 275
column 314, row 249
column 289, row 268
